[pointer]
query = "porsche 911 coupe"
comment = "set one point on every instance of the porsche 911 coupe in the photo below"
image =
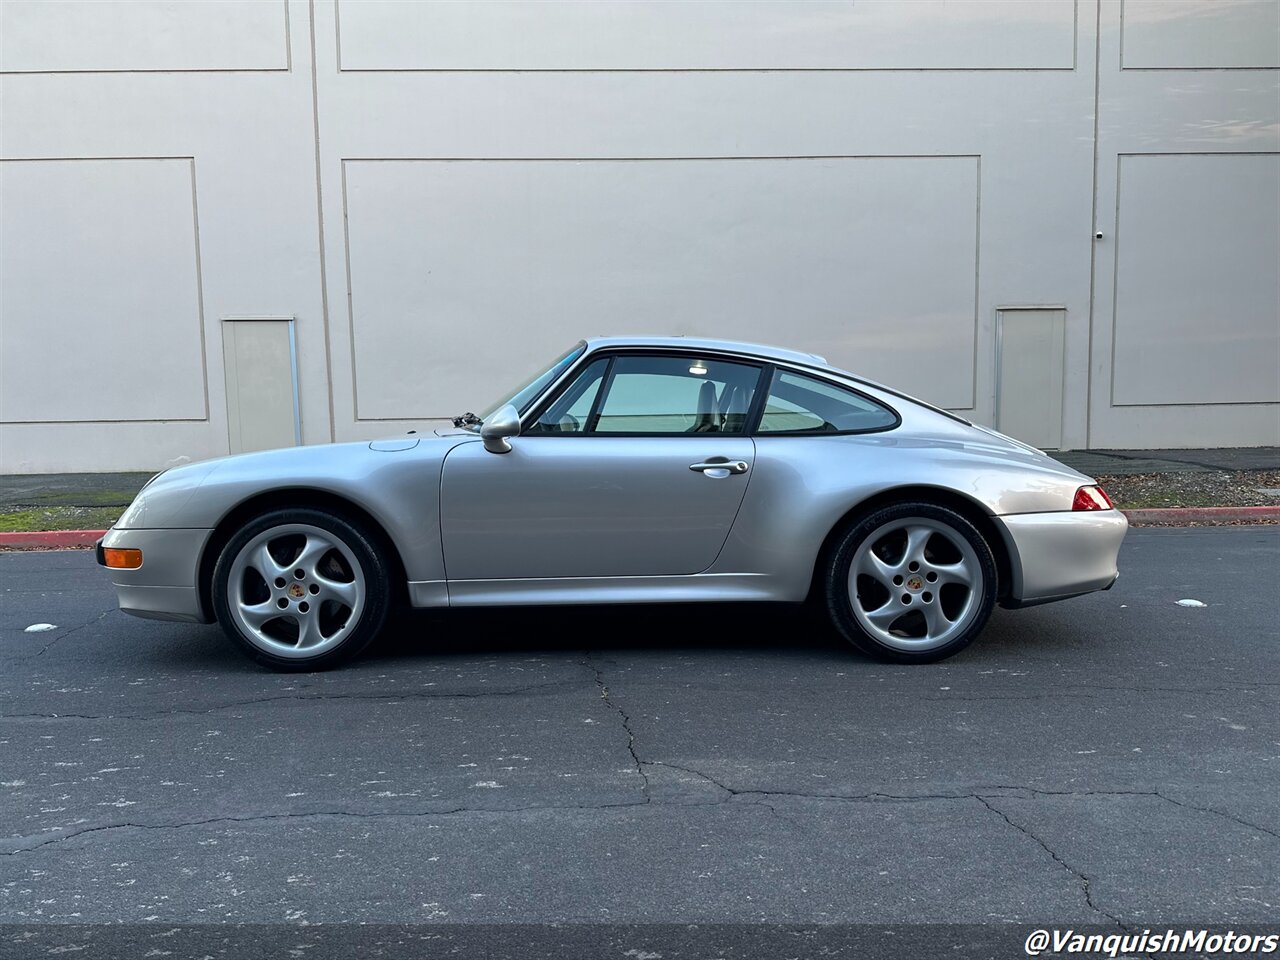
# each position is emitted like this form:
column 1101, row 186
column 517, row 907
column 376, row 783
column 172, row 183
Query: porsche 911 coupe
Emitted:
column 629, row 470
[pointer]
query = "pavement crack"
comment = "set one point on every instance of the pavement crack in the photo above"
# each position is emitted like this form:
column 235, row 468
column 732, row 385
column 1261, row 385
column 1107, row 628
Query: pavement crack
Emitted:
column 255, row 701
column 697, row 773
column 1248, row 824
column 1082, row 878
column 873, row 797
column 17, row 845
column 1156, row 794
column 76, row 629
column 1013, row 790
column 613, row 705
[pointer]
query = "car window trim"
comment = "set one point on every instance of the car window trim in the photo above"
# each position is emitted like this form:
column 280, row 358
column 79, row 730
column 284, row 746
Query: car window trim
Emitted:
column 756, row 411
column 556, row 390
column 755, row 426
column 582, row 347
column 759, row 365
column 570, row 383
column 842, row 378
column 836, row 378
column 755, row 414
column 593, row 415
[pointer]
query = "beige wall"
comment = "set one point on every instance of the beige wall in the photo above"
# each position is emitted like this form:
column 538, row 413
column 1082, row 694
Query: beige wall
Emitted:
column 443, row 195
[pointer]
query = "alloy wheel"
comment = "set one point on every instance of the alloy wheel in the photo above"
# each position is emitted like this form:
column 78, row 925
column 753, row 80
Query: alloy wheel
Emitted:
column 915, row 584
column 296, row 590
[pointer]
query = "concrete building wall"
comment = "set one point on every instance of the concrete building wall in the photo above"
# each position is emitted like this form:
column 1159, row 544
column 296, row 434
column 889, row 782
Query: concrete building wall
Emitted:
column 443, row 195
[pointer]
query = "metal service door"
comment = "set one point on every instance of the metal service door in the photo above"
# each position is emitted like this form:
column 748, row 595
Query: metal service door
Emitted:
column 1029, row 374
column 261, row 369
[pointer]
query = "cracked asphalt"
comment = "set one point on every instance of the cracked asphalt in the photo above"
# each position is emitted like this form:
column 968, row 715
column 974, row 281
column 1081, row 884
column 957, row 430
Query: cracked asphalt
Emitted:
column 1111, row 761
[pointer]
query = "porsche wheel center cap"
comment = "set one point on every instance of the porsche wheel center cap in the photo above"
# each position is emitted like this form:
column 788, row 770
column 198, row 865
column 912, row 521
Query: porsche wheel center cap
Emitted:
column 915, row 582
column 297, row 591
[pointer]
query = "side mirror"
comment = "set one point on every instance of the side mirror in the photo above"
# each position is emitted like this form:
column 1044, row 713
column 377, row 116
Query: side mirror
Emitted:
column 501, row 424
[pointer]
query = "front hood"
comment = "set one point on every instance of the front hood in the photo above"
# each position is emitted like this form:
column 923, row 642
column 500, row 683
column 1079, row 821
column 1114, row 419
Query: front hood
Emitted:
column 325, row 456
column 197, row 494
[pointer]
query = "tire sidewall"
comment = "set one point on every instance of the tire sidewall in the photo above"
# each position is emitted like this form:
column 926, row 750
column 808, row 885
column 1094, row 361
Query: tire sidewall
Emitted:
column 357, row 539
column 840, row 603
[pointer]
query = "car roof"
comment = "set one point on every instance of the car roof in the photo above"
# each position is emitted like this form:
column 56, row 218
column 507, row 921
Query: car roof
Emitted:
column 765, row 352
column 760, row 350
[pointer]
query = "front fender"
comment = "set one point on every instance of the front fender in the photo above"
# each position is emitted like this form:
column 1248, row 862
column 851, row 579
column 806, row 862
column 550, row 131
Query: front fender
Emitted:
column 399, row 489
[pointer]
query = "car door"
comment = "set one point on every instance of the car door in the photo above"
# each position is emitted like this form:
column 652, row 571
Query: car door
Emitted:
column 637, row 468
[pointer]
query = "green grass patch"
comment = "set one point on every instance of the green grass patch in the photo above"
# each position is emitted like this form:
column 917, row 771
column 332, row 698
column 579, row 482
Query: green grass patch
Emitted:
column 86, row 498
column 58, row 518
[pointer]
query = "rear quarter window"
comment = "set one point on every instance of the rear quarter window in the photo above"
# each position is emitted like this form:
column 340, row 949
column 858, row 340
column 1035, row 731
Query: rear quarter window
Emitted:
column 801, row 404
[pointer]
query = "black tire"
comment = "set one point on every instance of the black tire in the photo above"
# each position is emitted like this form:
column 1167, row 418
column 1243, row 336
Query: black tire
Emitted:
column 351, row 541
column 891, row 641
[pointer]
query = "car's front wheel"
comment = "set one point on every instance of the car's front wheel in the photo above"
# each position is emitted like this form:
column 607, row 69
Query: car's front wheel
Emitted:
column 301, row 589
column 911, row 583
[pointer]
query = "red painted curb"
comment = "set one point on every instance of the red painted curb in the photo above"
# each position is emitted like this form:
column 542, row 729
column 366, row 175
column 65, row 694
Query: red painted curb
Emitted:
column 51, row 539
column 1175, row 515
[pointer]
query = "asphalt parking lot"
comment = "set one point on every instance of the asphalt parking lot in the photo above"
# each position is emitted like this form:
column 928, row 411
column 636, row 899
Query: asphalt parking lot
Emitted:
column 1112, row 761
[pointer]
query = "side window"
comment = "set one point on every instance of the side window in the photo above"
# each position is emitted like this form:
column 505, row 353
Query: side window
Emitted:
column 800, row 404
column 669, row 395
column 570, row 411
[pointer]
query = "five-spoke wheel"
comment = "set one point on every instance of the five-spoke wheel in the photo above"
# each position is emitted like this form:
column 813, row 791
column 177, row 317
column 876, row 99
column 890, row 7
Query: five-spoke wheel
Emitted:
column 911, row 582
column 301, row 589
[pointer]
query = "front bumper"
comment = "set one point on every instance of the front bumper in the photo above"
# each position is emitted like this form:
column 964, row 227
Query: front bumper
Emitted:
column 165, row 586
column 1053, row 556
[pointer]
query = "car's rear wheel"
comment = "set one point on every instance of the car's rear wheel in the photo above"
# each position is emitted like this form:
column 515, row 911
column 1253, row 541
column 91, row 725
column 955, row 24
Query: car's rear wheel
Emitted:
column 301, row 589
column 911, row 583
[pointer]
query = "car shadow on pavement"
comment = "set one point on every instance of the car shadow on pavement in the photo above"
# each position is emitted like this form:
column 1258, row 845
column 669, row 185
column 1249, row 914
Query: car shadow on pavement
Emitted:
column 780, row 633
column 778, row 628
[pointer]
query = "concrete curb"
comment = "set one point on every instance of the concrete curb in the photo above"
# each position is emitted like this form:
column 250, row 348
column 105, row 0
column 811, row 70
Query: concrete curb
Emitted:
column 1179, row 515
column 1172, row 516
column 51, row 539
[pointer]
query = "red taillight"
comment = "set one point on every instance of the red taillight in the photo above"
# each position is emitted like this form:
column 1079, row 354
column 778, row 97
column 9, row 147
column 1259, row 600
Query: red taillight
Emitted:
column 1091, row 498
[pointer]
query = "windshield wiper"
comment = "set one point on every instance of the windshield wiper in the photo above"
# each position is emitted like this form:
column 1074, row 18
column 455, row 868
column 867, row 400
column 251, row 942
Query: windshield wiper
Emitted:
column 468, row 419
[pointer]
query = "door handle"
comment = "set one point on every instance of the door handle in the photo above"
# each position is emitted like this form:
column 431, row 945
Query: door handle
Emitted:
column 728, row 466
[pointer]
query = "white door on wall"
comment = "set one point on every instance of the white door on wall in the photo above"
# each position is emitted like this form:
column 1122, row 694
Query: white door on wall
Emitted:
column 1029, row 344
column 261, row 366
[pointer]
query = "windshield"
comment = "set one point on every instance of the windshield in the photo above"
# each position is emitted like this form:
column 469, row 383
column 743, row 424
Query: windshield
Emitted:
column 523, row 396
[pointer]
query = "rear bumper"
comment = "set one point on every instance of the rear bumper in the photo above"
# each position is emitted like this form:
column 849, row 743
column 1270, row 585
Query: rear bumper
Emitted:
column 165, row 586
column 1053, row 556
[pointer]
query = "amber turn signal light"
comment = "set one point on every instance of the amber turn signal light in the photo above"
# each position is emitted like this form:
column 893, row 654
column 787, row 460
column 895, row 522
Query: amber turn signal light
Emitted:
column 122, row 558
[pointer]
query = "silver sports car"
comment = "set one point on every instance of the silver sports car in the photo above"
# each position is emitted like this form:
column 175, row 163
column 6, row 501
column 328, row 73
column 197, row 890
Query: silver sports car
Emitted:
column 628, row 470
